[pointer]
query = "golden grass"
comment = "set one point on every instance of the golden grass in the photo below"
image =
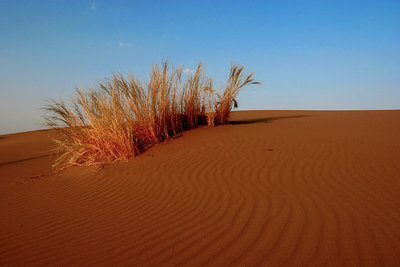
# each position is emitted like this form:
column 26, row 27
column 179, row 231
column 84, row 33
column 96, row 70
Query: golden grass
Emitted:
column 123, row 116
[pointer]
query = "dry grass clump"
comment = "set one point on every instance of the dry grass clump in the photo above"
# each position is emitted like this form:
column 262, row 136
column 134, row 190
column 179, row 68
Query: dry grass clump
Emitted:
column 122, row 116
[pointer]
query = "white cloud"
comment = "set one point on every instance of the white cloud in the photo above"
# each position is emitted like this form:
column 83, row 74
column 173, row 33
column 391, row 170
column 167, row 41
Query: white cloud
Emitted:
column 188, row 71
column 93, row 5
column 122, row 44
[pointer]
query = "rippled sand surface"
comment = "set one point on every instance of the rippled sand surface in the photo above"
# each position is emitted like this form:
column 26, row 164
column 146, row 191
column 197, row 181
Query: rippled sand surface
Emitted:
column 274, row 188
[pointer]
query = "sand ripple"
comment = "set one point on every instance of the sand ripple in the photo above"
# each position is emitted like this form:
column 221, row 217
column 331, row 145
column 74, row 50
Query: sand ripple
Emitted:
column 293, row 188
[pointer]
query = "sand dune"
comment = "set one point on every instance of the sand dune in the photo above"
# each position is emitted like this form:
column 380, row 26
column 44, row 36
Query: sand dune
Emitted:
column 275, row 188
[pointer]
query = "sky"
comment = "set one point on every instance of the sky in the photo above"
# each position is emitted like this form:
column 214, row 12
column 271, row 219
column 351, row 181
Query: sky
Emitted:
column 313, row 55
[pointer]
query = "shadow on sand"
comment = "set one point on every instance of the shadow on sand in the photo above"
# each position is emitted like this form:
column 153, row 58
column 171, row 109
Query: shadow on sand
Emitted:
column 265, row 120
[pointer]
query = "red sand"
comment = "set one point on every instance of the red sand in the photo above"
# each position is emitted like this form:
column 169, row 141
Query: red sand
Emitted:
column 294, row 188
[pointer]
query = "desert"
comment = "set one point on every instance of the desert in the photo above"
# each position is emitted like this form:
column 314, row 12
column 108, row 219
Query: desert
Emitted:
column 200, row 133
column 282, row 188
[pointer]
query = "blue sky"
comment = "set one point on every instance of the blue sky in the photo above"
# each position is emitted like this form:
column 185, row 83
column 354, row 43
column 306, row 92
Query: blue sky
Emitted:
column 308, row 54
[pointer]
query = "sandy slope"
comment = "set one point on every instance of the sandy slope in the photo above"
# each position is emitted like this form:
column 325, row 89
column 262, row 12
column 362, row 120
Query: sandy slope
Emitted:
column 277, row 188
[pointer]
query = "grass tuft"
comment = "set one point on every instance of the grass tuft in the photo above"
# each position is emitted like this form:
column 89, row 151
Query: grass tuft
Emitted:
column 123, row 117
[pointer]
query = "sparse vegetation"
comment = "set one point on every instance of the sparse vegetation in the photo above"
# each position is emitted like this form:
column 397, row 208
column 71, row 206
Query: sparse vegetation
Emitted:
column 123, row 116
